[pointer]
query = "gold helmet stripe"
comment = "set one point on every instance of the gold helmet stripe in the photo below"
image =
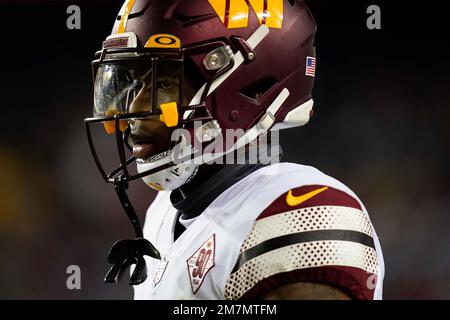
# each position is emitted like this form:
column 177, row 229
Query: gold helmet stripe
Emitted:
column 124, row 19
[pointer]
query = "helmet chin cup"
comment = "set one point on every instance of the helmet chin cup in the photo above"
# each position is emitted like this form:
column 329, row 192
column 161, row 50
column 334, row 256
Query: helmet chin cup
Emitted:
column 170, row 178
column 174, row 176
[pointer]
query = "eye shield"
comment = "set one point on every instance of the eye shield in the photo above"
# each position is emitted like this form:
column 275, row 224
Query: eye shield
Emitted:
column 115, row 88
column 136, row 86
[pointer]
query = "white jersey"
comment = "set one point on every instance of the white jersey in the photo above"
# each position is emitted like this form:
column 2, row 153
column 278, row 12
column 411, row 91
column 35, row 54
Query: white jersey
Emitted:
column 283, row 219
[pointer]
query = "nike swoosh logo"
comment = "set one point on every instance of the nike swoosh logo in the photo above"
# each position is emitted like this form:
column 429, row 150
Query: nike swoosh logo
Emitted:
column 295, row 201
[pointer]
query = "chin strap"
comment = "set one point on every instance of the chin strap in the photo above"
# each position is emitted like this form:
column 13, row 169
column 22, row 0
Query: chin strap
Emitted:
column 125, row 253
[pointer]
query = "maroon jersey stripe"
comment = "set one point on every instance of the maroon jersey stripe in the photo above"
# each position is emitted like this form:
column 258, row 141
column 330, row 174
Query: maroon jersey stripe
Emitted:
column 357, row 283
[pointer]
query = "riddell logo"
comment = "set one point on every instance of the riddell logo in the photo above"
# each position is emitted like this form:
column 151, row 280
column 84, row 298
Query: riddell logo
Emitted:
column 235, row 13
column 116, row 43
column 201, row 262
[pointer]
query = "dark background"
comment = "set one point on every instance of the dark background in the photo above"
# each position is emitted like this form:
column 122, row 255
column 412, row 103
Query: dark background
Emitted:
column 380, row 126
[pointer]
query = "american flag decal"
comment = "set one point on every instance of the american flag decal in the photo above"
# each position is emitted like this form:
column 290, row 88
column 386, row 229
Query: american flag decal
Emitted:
column 310, row 66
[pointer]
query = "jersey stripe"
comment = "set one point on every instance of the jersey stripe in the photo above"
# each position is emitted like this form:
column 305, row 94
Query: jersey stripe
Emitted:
column 308, row 219
column 301, row 237
column 357, row 283
column 310, row 233
column 303, row 256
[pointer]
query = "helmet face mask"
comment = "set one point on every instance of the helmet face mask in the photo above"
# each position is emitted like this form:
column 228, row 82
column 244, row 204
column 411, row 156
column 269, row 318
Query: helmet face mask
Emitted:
column 123, row 77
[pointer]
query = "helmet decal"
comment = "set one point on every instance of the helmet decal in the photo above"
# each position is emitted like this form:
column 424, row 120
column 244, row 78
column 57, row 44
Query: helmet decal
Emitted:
column 120, row 40
column 235, row 13
column 163, row 41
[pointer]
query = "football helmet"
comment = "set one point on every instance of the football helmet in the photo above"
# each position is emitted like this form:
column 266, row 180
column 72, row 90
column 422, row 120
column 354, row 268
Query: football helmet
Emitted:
column 254, row 67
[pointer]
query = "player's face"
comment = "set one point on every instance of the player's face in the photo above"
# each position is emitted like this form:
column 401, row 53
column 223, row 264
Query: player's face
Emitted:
column 151, row 136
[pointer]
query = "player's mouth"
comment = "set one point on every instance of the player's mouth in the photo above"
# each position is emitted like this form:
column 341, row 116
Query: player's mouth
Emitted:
column 144, row 147
column 144, row 150
column 148, row 139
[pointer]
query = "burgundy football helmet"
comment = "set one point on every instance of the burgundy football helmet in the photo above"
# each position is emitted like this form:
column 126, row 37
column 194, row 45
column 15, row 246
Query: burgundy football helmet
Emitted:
column 255, row 59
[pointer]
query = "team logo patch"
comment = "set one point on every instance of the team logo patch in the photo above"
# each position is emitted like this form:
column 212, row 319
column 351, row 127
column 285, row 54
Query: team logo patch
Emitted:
column 159, row 271
column 201, row 262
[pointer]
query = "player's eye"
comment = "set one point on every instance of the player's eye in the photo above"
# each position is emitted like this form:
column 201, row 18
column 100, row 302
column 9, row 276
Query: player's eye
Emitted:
column 166, row 84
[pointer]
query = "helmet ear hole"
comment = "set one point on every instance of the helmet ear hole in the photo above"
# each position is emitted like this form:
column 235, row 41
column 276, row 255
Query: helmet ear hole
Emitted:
column 258, row 88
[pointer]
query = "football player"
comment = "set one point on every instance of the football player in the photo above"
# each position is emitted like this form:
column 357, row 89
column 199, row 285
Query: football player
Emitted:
column 220, row 229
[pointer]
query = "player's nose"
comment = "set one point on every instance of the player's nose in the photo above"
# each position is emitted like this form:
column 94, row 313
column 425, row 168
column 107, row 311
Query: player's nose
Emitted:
column 142, row 101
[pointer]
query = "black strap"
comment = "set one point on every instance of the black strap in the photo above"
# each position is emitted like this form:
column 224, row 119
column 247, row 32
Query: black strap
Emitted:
column 179, row 228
